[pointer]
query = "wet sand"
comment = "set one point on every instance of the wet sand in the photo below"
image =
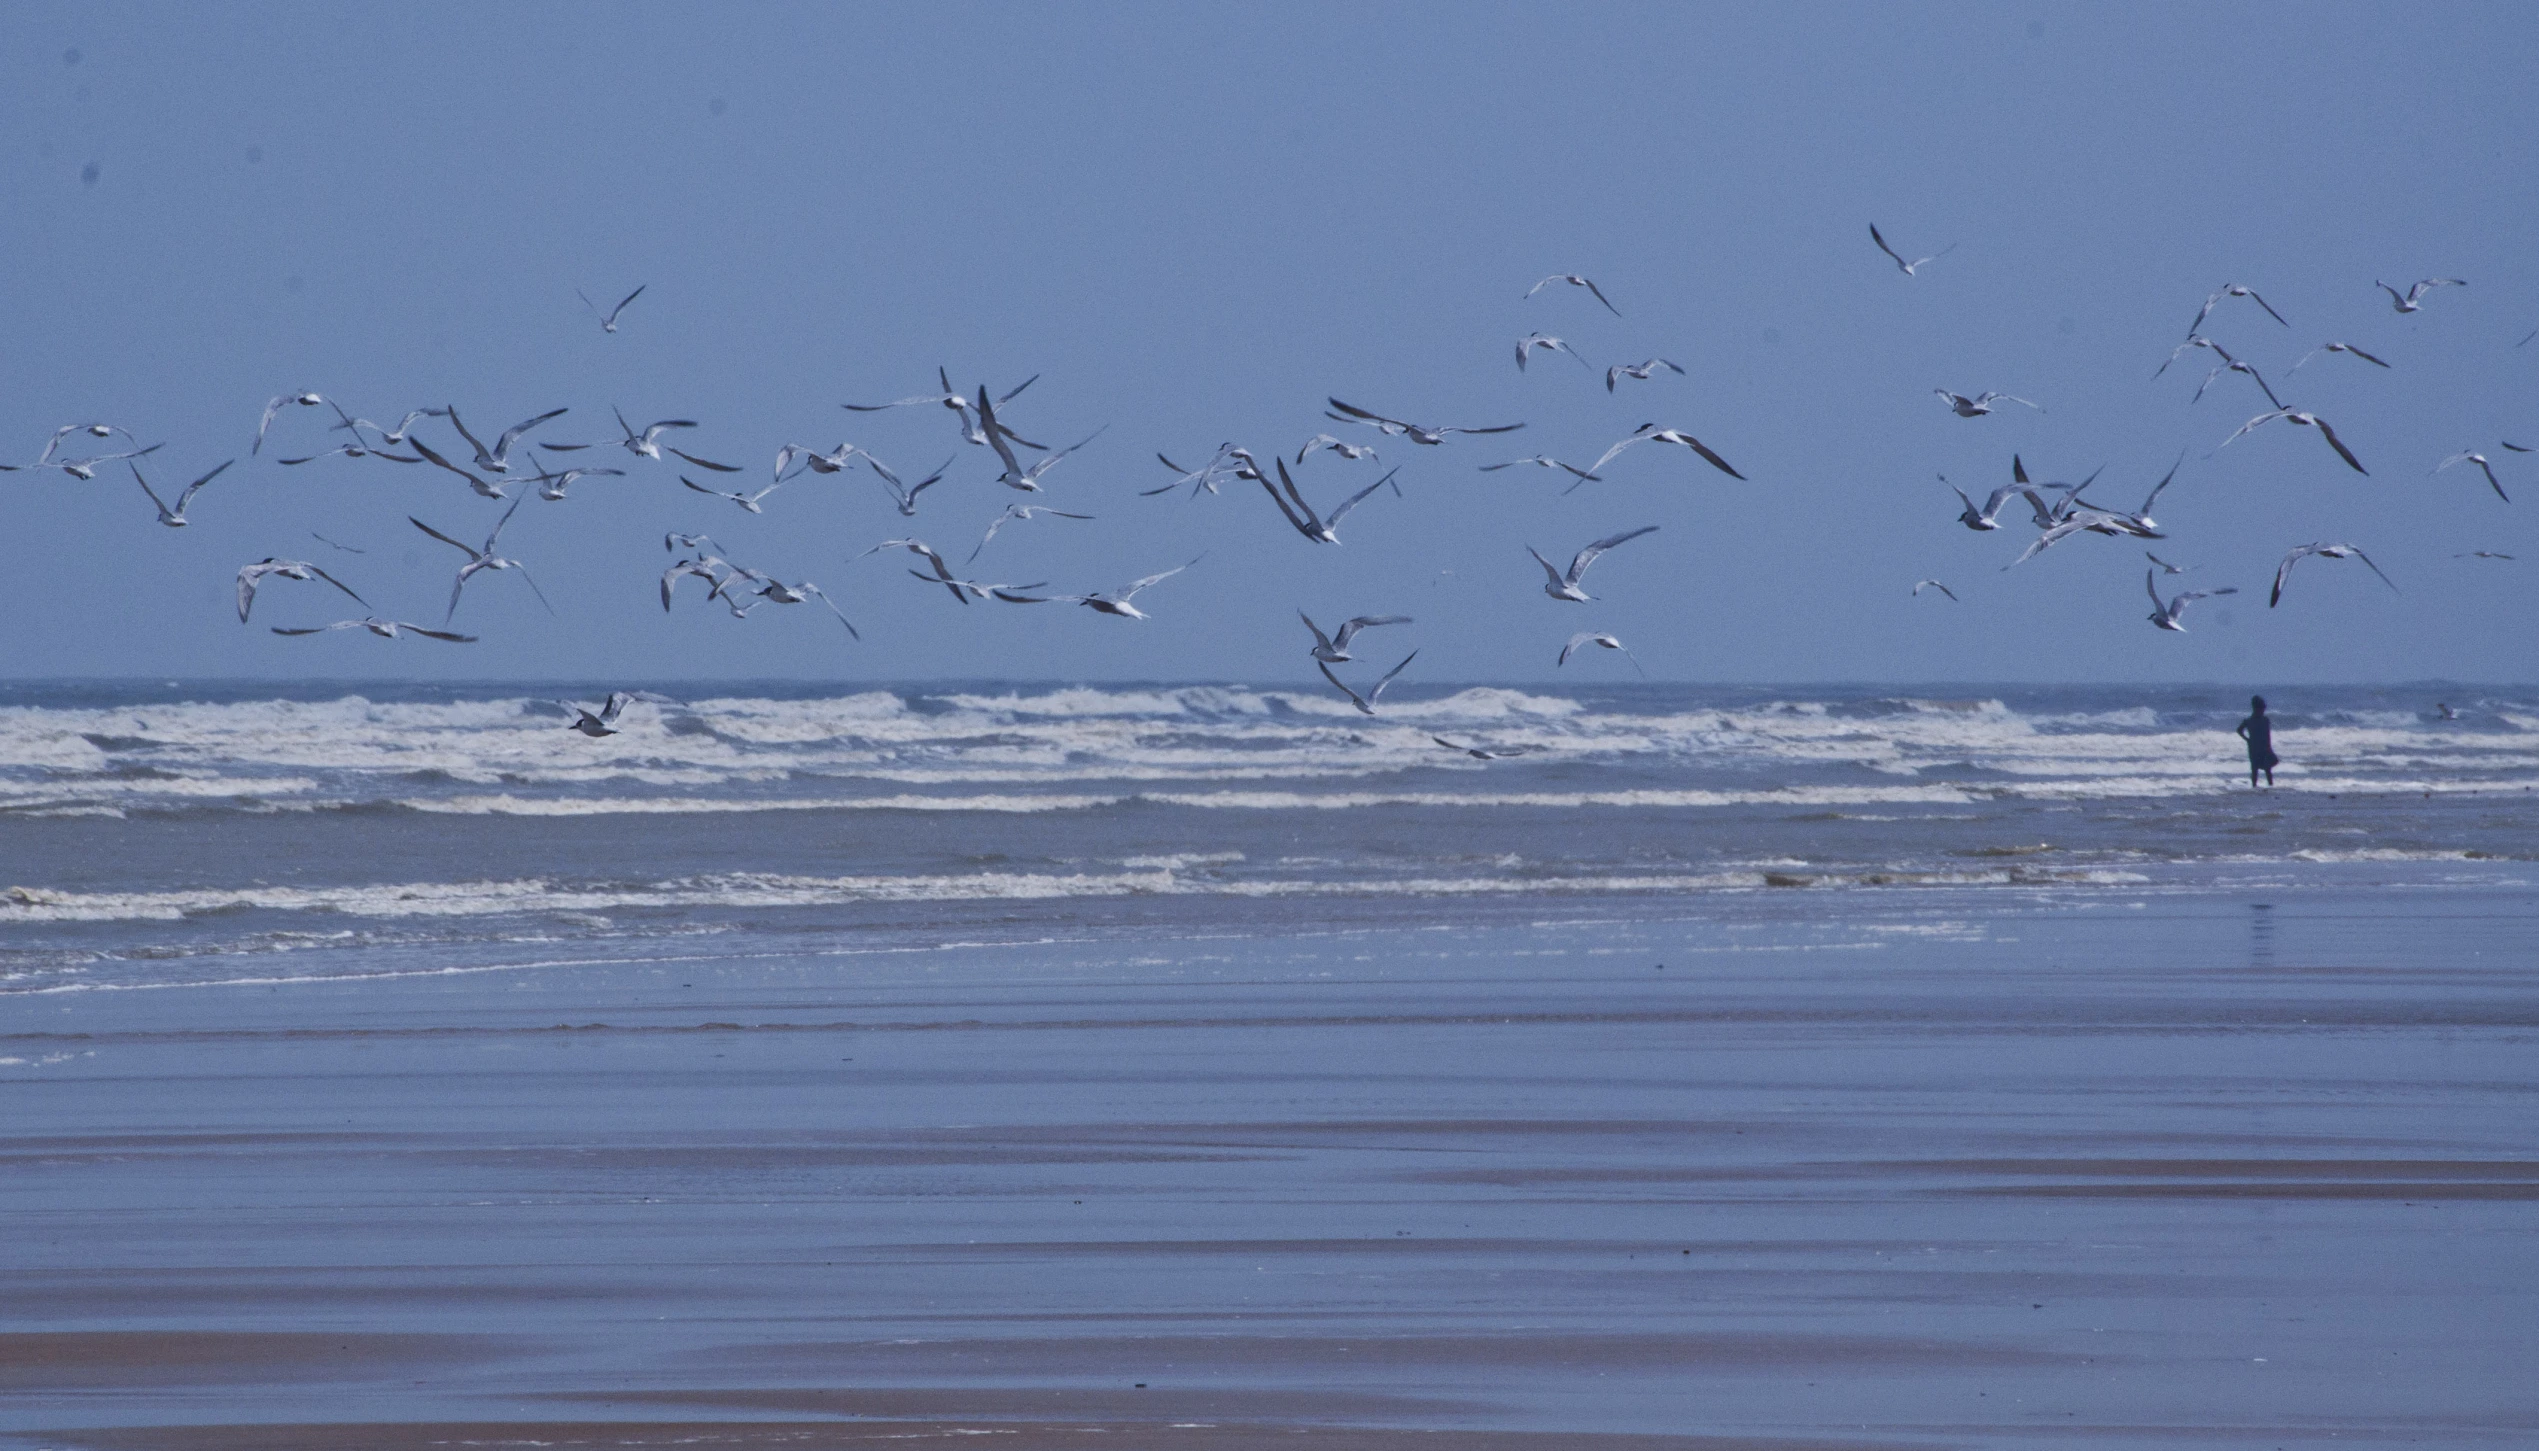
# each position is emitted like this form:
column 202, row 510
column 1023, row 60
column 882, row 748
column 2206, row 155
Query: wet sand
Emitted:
column 1909, row 1169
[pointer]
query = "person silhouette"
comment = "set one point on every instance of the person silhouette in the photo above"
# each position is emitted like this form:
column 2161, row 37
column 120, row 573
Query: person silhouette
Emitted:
column 2259, row 732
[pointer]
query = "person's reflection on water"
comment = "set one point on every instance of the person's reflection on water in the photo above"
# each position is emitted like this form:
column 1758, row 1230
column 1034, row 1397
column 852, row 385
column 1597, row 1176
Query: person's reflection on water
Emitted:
column 2259, row 732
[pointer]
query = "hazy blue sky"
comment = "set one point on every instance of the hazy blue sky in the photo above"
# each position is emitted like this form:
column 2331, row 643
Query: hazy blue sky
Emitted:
column 1197, row 221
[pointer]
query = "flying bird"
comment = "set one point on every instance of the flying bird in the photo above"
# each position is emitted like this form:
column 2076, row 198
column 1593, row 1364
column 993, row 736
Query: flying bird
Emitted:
column 2165, row 613
column 608, row 319
column 174, row 518
column 1980, row 404
column 1592, row 637
column 384, row 629
column 1313, row 526
column 1651, row 433
column 551, row 485
column 1229, row 461
column 1416, row 433
column 1574, row 280
column 2193, row 341
column 2306, row 420
column 1015, row 476
column 960, row 405
column 1543, row 461
column 2323, row 551
column 1365, row 703
column 1333, row 649
column 2346, row 348
column 2478, row 459
column 603, row 722
column 1350, row 451
column 1640, row 371
column 1986, row 518
column 1526, row 345
column 2482, row 554
column 482, row 558
column 2412, row 300
column 2165, row 566
column 2235, row 366
column 904, row 496
column 1483, row 753
column 1114, row 602
column 280, row 402
column 485, row 487
column 771, row 590
column 1921, row 585
column 1013, row 513
column 389, row 437
column 1565, row 586
column 498, row 459
column 2231, row 289
column 1907, row 268
column 746, row 501
column 299, row 569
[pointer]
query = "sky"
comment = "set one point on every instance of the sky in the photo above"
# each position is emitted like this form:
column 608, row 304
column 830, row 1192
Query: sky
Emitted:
column 1193, row 224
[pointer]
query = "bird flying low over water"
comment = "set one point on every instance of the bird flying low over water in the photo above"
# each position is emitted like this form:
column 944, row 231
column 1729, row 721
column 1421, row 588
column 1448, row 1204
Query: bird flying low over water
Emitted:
column 1980, row 404
column 2478, row 459
column 254, row 575
column 1333, row 649
column 603, row 722
column 1416, row 433
column 1574, row 280
column 384, row 629
column 481, row 558
column 1585, row 638
column 1365, row 703
column 608, row 319
column 2306, row 420
column 1113, row 602
column 1483, row 753
column 2323, row 551
column 2412, row 300
column 1564, row 586
column 2231, row 289
column 1319, row 529
column 175, row 518
column 1907, row 268
column 1651, row 433
column 2165, row 614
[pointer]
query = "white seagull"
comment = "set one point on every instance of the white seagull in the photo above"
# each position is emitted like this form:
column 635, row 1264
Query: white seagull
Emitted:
column 2165, row 613
column 1565, row 586
column 1593, row 637
column 772, row 590
column 603, row 722
column 1416, row 433
column 1907, row 268
column 389, row 437
column 1351, row 451
column 1541, row 460
column 498, row 459
column 1640, row 371
column 1114, row 602
column 299, row 569
column 2346, row 348
column 904, row 496
column 1986, row 518
column 1574, row 280
column 1313, row 526
column 483, row 558
column 608, row 319
column 2231, row 289
column 1921, row 585
column 2478, row 459
column 2412, row 300
column 1482, row 753
column 1333, row 649
column 1365, row 703
column 1651, row 433
column 746, row 501
column 280, row 402
column 384, row 629
column 2194, row 340
column 2306, row 420
column 960, row 406
column 2165, row 566
column 489, row 489
column 174, row 518
column 1016, row 512
column 1526, row 345
column 1980, row 404
column 2236, row 366
column 2323, row 551
column 1015, row 476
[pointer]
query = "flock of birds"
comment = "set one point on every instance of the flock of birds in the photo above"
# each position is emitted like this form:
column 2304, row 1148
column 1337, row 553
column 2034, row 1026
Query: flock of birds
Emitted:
column 516, row 467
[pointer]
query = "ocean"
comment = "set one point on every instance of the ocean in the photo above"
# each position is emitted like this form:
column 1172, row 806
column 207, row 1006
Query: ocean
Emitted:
column 161, row 833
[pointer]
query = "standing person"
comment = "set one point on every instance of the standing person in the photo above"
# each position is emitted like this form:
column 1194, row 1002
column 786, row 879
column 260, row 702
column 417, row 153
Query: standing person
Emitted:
column 2259, row 732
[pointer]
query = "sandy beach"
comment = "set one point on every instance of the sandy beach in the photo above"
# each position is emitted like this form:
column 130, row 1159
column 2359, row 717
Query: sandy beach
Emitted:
column 1902, row 1169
